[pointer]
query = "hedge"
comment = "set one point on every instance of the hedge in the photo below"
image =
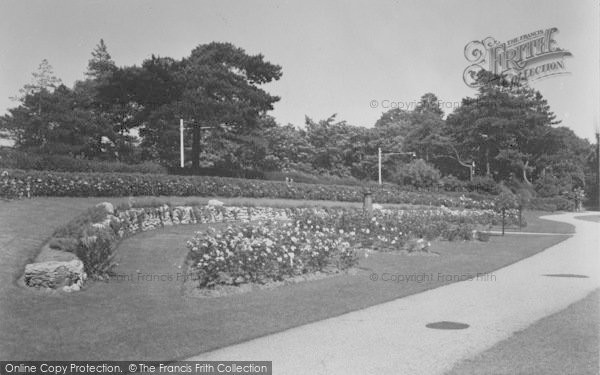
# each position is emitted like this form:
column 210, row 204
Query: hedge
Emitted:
column 19, row 183
column 15, row 159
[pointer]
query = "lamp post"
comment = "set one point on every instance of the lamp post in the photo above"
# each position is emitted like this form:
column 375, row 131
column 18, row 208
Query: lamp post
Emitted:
column 181, row 153
column 379, row 163
column 391, row 153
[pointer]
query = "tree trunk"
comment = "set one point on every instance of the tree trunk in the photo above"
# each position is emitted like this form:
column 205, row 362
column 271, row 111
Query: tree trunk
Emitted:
column 487, row 162
column 195, row 147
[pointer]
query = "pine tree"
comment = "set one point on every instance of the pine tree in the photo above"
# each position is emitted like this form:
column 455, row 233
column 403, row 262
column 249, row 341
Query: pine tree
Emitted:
column 42, row 79
column 101, row 65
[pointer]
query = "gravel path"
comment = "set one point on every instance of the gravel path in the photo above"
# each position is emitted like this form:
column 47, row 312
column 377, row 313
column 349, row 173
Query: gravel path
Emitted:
column 393, row 337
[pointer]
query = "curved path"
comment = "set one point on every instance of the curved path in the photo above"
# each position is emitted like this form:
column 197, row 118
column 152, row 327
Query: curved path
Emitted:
column 393, row 337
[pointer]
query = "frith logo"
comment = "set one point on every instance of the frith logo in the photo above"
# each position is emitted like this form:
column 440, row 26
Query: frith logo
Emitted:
column 530, row 57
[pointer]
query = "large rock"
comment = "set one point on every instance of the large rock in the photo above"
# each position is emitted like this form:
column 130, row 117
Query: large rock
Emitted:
column 55, row 274
column 215, row 202
column 107, row 206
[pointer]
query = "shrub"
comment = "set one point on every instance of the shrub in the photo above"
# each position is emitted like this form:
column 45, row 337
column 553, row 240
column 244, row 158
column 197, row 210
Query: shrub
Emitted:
column 451, row 183
column 15, row 159
column 16, row 183
column 551, row 186
column 484, row 184
column 418, row 173
column 551, row 204
column 96, row 253
column 75, row 227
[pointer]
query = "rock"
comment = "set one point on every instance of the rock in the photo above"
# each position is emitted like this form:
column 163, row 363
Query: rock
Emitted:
column 215, row 202
column 175, row 215
column 185, row 214
column 165, row 215
column 107, row 206
column 54, row 274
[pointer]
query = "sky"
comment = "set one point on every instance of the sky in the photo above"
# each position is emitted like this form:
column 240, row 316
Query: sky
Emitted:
column 353, row 58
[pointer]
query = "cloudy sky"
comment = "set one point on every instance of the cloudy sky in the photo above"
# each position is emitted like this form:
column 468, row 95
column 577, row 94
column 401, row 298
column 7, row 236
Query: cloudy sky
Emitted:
column 337, row 56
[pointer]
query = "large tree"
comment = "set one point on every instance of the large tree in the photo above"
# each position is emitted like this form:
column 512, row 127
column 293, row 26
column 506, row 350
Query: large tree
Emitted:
column 222, row 87
column 502, row 128
column 55, row 123
column 217, row 88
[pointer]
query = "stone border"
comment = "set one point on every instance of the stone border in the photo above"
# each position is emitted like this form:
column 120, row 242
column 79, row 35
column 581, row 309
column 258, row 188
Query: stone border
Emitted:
column 54, row 269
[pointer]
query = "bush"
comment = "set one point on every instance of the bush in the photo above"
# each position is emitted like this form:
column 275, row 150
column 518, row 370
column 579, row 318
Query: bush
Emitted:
column 484, row 184
column 96, row 253
column 451, row 183
column 418, row 173
column 551, row 204
column 16, row 183
column 14, row 159
column 219, row 172
column 550, row 186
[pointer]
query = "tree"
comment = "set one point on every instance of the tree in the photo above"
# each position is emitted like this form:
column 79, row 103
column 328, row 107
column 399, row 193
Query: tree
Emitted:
column 429, row 103
column 110, row 112
column 221, row 87
column 54, row 123
column 216, row 87
column 42, row 80
column 100, row 66
column 502, row 127
column 341, row 149
column 288, row 149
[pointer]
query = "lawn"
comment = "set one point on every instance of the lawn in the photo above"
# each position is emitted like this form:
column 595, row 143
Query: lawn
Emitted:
column 537, row 225
column 564, row 343
column 142, row 319
column 592, row 218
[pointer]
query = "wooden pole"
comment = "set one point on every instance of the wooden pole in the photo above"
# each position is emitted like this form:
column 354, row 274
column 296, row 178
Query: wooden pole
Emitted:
column 379, row 158
column 181, row 153
column 598, row 169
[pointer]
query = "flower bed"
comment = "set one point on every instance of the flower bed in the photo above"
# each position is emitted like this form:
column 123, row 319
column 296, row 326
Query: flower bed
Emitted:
column 266, row 251
column 285, row 241
column 322, row 240
column 18, row 183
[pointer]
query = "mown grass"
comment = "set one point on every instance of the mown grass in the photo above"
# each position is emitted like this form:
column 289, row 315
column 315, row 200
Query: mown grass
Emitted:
column 564, row 343
column 592, row 218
